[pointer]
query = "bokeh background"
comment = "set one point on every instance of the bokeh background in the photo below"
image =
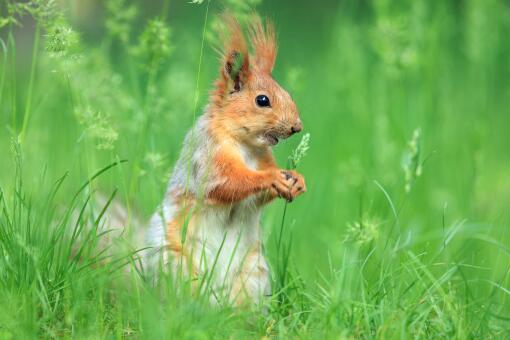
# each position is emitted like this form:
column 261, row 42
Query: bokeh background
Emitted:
column 407, row 104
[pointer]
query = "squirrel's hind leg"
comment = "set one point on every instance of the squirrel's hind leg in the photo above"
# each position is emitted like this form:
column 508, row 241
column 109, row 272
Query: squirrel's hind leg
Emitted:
column 252, row 282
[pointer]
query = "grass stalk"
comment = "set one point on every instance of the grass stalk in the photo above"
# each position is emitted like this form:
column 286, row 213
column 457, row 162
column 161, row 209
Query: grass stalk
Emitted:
column 33, row 67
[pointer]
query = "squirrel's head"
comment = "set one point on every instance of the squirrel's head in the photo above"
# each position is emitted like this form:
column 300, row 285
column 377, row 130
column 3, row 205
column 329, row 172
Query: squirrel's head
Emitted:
column 247, row 103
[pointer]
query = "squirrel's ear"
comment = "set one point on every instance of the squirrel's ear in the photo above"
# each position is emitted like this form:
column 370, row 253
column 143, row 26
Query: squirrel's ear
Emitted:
column 236, row 64
column 264, row 44
column 236, row 69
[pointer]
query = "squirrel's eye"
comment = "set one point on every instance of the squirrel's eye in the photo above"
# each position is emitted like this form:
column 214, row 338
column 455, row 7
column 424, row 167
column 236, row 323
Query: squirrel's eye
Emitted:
column 262, row 101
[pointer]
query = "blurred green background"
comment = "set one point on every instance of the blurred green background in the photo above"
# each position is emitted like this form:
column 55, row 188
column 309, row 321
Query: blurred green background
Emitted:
column 407, row 104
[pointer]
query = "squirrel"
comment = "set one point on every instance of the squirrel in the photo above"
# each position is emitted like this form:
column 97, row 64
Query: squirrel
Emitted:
column 208, row 224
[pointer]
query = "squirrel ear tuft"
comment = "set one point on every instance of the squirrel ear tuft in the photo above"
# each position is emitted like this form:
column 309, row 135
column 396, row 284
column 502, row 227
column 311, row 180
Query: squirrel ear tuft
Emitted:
column 235, row 68
column 264, row 44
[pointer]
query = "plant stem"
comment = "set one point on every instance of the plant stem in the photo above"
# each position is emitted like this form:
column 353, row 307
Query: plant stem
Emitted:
column 282, row 225
column 5, row 59
column 197, row 90
column 11, row 43
column 28, row 103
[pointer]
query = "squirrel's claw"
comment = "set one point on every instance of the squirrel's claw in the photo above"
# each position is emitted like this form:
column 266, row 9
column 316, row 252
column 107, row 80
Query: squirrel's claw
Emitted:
column 288, row 185
column 298, row 185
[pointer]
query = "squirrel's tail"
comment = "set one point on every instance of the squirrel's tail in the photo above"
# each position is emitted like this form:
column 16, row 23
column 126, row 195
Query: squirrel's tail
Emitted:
column 119, row 231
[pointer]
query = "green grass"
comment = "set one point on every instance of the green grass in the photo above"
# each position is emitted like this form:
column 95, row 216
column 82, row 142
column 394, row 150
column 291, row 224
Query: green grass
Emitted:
column 403, row 232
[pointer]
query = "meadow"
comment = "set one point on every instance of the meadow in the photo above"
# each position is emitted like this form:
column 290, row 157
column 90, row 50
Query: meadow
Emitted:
column 404, row 229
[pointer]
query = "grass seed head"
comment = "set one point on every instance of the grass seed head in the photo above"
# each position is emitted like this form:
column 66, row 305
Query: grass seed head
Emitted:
column 362, row 232
column 411, row 162
column 61, row 39
column 300, row 151
column 120, row 19
column 154, row 44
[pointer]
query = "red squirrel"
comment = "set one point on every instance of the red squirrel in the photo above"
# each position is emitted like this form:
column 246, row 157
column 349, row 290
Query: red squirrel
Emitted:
column 209, row 221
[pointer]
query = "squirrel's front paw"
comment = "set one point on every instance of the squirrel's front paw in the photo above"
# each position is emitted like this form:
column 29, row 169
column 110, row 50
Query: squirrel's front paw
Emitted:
column 288, row 184
column 298, row 186
column 282, row 185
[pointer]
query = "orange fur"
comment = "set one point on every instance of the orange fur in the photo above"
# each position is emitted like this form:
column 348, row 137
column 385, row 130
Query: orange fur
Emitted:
column 234, row 113
column 240, row 182
column 234, row 44
column 264, row 43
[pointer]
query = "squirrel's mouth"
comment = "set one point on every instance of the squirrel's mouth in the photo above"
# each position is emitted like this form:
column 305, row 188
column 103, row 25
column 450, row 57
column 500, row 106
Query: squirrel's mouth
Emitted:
column 271, row 138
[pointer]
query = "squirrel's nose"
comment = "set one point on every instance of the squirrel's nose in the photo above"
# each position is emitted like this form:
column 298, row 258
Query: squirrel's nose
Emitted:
column 297, row 127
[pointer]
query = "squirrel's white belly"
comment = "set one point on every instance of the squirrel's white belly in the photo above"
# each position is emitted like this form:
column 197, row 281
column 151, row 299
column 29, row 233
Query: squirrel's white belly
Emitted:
column 223, row 238
column 223, row 241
